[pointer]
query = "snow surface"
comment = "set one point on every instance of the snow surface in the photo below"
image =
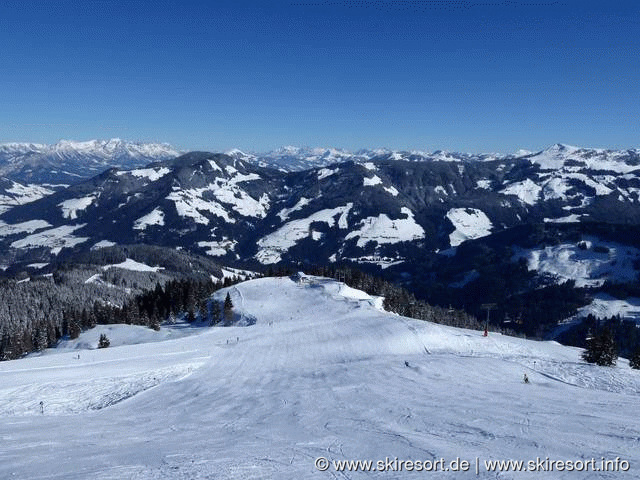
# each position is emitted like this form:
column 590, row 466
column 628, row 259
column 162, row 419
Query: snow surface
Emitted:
column 155, row 217
column 326, row 172
column 29, row 226
column 371, row 182
column 190, row 202
column 527, row 191
column 103, row 243
column 321, row 372
column 588, row 268
column 469, row 223
column 130, row 264
column 484, row 184
column 369, row 166
column 37, row 265
column 573, row 218
column 274, row 245
column 555, row 157
column 152, row 174
column 382, row 229
column 55, row 239
column 71, row 207
column 382, row 261
column 606, row 306
column 392, row 190
column 217, row 248
column 19, row 194
column 285, row 212
column 232, row 273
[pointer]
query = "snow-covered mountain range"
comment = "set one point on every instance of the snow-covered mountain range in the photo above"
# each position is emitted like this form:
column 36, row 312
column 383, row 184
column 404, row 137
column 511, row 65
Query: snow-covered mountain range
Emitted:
column 383, row 210
column 320, row 372
column 404, row 215
column 67, row 162
column 292, row 158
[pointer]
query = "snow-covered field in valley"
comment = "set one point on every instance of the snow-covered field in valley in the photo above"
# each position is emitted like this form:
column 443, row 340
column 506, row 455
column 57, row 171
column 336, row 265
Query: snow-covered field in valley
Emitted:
column 319, row 371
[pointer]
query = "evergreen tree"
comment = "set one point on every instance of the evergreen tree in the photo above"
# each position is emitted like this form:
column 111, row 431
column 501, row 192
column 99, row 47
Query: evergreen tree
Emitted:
column 601, row 349
column 204, row 312
column 42, row 339
column 74, row 329
column 228, row 309
column 635, row 360
column 104, row 341
column 215, row 313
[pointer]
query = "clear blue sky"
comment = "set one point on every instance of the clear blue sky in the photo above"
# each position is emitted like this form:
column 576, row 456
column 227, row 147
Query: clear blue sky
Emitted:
column 485, row 75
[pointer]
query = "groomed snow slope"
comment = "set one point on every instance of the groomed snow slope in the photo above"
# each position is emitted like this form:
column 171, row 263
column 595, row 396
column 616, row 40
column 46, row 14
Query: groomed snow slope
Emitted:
column 320, row 372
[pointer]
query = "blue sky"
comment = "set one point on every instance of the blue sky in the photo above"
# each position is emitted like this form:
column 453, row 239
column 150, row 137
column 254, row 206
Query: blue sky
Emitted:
column 457, row 75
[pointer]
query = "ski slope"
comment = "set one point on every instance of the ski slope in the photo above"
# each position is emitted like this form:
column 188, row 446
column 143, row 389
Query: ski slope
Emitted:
column 318, row 369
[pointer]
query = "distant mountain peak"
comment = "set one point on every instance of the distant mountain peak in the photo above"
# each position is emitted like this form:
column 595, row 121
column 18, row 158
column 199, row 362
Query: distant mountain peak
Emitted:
column 68, row 161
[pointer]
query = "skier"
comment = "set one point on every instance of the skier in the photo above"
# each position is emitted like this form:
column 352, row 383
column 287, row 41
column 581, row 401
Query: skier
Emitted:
column 406, row 364
column 525, row 378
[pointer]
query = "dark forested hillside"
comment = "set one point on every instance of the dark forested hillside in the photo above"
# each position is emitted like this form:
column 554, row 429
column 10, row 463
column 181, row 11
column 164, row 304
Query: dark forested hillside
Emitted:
column 108, row 285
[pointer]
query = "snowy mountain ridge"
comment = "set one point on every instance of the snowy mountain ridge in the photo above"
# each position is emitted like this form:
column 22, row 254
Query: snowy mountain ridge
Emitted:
column 106, row 148
column 70, row 161
column 291, row 158
column 380, row 208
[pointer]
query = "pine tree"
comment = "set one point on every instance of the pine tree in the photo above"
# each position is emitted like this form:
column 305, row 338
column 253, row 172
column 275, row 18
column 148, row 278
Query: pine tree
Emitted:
column 635, row 360
column 74, row 329
column 42, row 340
column 601, row 349
column 215, row 313
column 104, row 341
column 228, row 309
column 204, row 312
